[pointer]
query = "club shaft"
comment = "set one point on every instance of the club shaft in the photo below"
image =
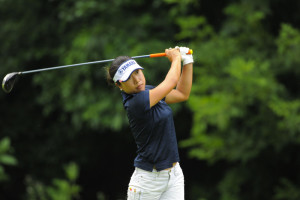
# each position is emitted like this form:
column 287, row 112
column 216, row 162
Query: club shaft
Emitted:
column 96, row 62
column 78, row 64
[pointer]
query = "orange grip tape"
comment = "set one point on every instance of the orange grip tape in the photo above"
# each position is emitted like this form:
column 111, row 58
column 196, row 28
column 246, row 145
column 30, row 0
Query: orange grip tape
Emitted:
column 155, row 55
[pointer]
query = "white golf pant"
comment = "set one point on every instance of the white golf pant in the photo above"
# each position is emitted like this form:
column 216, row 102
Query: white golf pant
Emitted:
column 163, row 185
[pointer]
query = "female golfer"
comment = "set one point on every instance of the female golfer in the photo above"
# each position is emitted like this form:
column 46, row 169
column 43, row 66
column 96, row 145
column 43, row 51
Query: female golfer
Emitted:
column 157, row 172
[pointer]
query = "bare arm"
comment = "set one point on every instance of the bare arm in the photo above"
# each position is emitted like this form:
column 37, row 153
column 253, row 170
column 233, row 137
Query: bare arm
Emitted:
column 171, row 79
column 184, row 86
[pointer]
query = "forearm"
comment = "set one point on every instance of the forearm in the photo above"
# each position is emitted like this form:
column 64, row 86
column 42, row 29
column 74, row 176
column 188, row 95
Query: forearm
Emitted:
column 185, row 82
column 170, row 81
column 173, row 76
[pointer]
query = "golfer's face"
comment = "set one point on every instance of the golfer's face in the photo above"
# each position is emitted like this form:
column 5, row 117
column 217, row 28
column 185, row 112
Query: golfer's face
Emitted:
column 135, row 84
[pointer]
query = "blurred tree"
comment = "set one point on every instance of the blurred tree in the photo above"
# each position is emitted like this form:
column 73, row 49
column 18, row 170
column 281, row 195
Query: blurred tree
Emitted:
column 48, row 115
column 61, row 189
column 244, row 103
column 243, row 112
column 6, row 158
column 287, row 190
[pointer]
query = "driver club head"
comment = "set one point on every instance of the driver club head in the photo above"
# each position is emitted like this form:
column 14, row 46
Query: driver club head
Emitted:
column 9, row 81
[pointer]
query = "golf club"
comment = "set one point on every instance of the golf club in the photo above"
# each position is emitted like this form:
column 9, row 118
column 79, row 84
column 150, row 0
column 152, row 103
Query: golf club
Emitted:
column 10, row 79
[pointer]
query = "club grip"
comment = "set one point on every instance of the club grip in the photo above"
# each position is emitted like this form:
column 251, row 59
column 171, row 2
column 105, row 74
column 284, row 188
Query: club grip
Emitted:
column 155, row 55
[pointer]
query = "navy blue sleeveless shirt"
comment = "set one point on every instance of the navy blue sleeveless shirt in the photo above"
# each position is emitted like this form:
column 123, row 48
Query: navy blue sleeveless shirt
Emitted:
column 153, row 130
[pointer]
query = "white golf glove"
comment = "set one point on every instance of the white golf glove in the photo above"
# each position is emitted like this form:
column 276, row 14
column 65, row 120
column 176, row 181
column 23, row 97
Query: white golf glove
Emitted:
column 186, row 58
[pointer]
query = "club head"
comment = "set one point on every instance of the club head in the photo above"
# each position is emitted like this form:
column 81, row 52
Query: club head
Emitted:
column 9, row 81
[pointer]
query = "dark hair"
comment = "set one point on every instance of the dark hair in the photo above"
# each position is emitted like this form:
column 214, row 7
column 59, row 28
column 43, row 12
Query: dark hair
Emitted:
column 112, row 69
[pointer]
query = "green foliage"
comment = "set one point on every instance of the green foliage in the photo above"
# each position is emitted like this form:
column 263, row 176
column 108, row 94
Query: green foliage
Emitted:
column 193, row 27
column 230, row 185
column 5, row 157
column 289, row 40
column 240, row 106
column 35, row 190
column 99, row 41
column 288, row 44
column 244, row 103
column 225, row 100
column 72, row 171
column 287, row 190
column 65, row 189
column 61, row 189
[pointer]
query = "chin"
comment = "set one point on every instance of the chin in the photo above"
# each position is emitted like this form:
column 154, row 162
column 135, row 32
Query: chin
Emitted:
column 142, row 87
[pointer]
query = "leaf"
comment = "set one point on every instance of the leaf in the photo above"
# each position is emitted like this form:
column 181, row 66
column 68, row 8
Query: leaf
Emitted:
column 8, row 160
column 72, row 171
column 4, row 145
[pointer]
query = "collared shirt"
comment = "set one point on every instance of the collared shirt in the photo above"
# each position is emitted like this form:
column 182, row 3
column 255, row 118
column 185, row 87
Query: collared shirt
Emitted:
column 153, row 130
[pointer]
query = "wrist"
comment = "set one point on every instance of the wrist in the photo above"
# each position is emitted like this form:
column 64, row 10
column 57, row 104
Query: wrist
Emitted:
column 187, row 59
column 187, row 65
column 176, row 58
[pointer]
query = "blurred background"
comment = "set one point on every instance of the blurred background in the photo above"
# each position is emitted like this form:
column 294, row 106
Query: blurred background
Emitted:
column 64, row 134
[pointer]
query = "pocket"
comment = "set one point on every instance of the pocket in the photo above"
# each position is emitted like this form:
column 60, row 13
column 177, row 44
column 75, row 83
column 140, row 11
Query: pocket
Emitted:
column 134, row 193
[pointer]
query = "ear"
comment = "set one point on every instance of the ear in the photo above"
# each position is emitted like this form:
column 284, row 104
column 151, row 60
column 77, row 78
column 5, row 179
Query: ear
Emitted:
column 118, row 85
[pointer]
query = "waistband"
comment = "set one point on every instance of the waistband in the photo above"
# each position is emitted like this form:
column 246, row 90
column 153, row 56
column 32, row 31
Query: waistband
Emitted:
column 158, row 173
column 174, row 164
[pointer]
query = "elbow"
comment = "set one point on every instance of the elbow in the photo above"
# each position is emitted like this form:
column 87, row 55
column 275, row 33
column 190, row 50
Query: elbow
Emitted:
column 183, row 97
column 186, row 97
